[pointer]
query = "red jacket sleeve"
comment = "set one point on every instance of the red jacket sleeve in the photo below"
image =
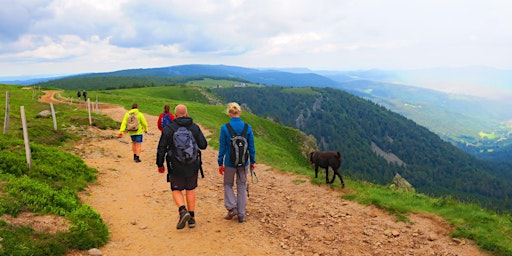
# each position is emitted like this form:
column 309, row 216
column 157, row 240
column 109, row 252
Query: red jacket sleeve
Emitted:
column 159, row 123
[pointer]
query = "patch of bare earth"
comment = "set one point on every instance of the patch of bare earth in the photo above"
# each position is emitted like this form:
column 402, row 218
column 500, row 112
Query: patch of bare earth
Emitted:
column 287, row 214
column 40, row 223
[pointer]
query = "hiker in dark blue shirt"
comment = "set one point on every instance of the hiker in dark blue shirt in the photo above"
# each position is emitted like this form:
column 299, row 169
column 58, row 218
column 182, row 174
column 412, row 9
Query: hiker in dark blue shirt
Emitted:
column 236, row 205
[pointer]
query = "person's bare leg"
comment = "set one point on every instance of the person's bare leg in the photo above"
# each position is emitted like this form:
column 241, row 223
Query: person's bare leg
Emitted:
column 178, row 198
column 191, row 200
column 138, row 148
column 183, row 213
column 134, row 148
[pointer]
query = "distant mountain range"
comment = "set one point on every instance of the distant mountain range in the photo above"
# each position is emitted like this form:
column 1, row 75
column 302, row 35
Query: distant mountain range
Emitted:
column 465, row 120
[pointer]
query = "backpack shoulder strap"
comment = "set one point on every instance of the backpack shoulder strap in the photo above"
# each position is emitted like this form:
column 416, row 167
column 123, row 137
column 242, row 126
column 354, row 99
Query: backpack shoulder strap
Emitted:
column 246, row 127
column 230, row 129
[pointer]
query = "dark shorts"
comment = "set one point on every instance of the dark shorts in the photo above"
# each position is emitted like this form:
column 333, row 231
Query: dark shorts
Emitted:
column 180, row 183
column 137, row 138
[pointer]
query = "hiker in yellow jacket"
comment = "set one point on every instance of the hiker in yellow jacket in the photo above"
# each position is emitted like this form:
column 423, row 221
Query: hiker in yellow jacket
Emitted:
column 135, row 125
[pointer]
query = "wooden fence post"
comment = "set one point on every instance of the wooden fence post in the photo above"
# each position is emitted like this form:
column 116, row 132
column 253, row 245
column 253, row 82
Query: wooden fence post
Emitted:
column 53, row 117
column 6, row 119
column 89, row 110
column 25, row 137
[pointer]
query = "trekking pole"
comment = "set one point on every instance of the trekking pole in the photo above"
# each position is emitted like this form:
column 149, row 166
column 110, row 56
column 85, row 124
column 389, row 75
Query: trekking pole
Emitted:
column 253, row 175
column 246, row 186
column 200, row 164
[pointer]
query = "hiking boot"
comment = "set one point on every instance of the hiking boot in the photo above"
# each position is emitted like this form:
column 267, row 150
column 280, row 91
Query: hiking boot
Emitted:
column 231, row 213
column 241, row 219
column 191, row 223
column 137, row 159
column 184, row 217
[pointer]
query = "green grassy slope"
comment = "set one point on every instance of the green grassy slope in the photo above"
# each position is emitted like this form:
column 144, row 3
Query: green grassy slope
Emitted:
column 50, row 186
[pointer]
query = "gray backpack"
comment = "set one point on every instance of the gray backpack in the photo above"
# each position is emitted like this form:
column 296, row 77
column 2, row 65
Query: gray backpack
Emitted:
column 186, row 149
column 238, row 153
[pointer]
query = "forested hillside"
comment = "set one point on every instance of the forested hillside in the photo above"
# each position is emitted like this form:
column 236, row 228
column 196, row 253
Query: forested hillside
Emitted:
column 349, row 124
column 110, row 81
column 476, row 125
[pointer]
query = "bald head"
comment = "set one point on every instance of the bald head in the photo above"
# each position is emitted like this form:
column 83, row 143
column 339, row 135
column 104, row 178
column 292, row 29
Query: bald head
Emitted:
column 180, row 110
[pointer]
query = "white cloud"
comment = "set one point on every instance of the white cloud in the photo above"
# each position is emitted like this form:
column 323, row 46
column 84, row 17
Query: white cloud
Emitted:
column 61, row 36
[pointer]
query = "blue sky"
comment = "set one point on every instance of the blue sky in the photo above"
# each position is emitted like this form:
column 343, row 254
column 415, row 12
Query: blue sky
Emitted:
column 80, row 36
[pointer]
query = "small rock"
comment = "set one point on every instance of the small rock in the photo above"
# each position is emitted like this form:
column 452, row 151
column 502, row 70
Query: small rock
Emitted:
column 44, row 113
column 368, row 233
column 95, row 252
column 459, row 241
column 432, row 237
column 330, row 238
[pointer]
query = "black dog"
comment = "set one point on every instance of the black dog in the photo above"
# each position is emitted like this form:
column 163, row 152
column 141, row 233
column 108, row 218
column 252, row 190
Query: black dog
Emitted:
column 325, row 159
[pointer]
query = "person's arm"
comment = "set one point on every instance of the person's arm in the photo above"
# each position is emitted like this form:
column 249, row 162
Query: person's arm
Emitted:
column 201, row 141
column 162, row 148
column 222, row 145
column 123, row 124
column 159, row 122
column 251, row 147
column 143, row 122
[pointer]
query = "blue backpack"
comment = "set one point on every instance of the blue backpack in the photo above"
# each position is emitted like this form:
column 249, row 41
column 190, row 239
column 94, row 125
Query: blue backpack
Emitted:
column 166, row 120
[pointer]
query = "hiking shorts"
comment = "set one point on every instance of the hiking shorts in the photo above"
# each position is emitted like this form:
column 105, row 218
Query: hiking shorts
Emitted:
column 180, row 183
column 137, row 138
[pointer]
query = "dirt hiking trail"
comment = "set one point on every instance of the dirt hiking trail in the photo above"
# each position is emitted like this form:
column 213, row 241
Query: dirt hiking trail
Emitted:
column 286, row 214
